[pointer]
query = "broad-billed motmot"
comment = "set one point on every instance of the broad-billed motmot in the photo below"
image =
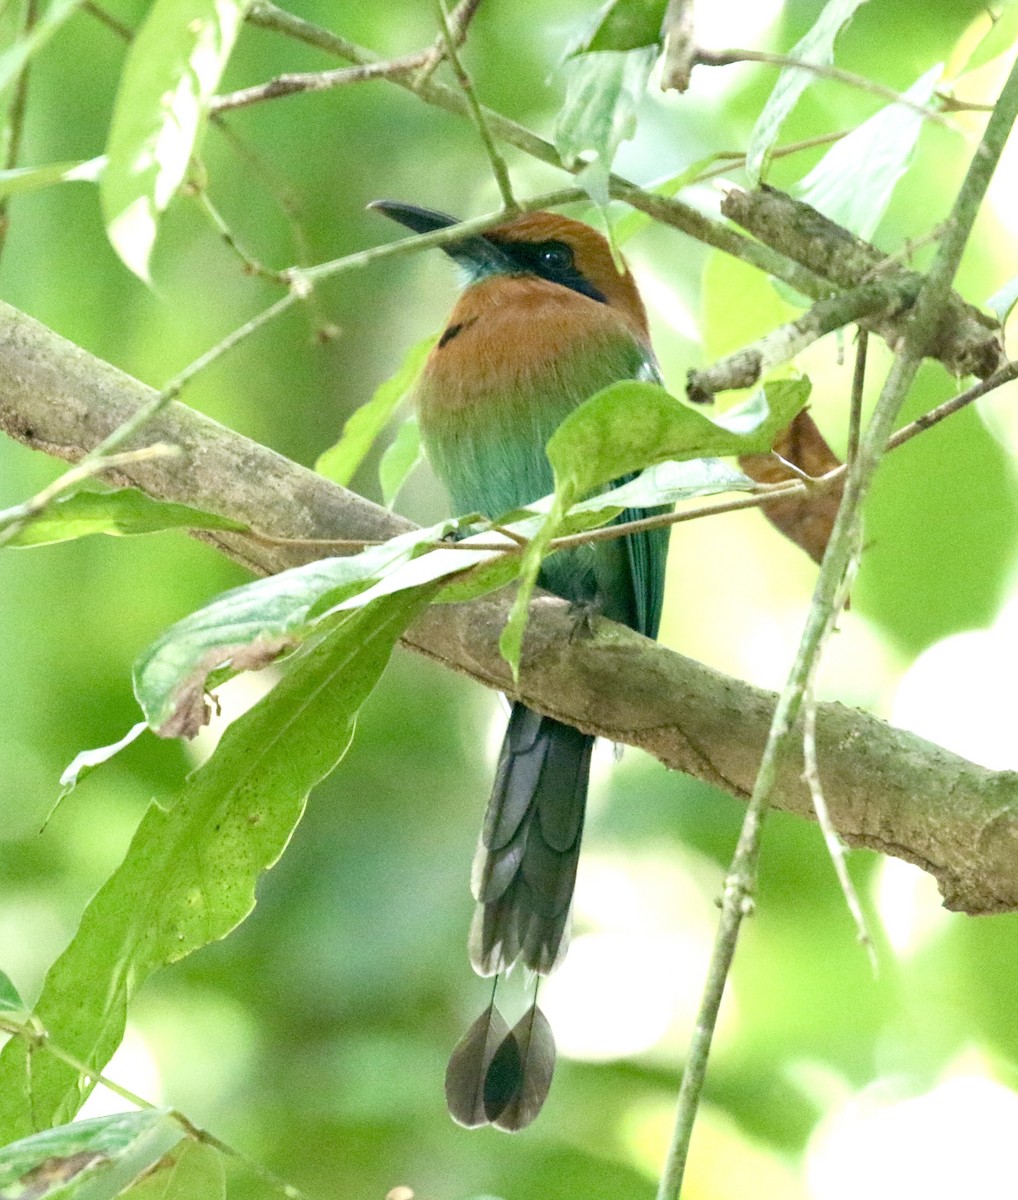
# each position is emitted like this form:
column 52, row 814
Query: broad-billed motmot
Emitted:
column 546, row 320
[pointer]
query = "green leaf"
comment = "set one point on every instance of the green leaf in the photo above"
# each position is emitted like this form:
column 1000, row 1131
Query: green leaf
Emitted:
column 27, row 179
column 251, row 626
column 399, row 460
column 126, row 511
column 10, row 1001
column 603, row 90
column 86, row 761
column 854, row 181
column 340, row 461
column 189, row 875
column 631, row 425
column 1001, row 303
column 191, row 1171
column 816, row 47
column 998, row 40
column 172, row 70
column 624, row 25
column 14, row 58
column 88, row 1160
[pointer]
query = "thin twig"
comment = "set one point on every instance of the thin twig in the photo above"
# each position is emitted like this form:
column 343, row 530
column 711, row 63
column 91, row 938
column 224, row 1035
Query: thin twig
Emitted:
column 749, row 365
column 459, row 22
column 953, row 104
column 298, row 83
column 919, row 330
column 124, row 32
column 855, row 407
column 737, row 158
column 811, row 777
column 726, row 58
column 1006, row 374
column 251, row 265
column 498, row 166
column 904, row 252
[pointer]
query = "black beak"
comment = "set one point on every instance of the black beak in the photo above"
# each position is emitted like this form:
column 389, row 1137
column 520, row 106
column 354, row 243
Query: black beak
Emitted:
column 475, row 252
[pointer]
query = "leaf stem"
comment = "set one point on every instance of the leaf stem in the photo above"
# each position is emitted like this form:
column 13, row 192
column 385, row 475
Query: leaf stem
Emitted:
column 726, row 58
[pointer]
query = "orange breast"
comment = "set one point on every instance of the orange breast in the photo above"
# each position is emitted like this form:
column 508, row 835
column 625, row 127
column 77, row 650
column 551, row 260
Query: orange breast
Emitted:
column 510, row 334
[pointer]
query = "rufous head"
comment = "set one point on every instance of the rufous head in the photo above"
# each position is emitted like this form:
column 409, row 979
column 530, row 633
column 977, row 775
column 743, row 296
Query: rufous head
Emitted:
column 542, row 244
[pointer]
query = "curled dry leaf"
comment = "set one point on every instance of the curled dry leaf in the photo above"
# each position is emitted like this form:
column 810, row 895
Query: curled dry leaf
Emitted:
column 806, row 519
column 191, row 708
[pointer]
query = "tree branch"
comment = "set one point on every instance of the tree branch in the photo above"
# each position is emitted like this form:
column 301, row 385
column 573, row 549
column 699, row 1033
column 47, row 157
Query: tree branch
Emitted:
column 966, row 341
column 886, row 789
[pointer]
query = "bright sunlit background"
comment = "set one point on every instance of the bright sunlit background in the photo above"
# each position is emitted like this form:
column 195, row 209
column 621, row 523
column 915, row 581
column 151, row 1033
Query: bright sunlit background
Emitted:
column 315, row 1037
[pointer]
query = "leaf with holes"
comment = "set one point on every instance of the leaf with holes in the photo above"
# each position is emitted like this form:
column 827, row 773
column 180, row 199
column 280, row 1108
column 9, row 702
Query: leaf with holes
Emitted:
column 189, row 875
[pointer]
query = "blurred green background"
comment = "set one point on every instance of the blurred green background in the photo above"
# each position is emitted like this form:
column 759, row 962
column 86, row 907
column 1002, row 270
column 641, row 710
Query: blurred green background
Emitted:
column 315, row 1037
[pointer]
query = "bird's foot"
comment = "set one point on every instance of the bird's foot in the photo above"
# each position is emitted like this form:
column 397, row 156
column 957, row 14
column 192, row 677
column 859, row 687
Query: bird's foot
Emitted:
column 583, row 613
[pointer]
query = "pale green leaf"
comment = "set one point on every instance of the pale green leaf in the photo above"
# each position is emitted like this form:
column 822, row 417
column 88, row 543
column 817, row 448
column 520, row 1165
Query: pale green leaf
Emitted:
column 92, row 510
column 251, row 626
column 14, row 58
column 10, row 1001
column 399, row 460
column 340, row 461
column 191, row 1171
column 668, row 483
column 603, row 90
column 88, row 1160
column 189, row 875
column 816, row 47
column 86, row 761
column 998, row 40
column 436, row 564
column 1002, row 302
column 172, row 71
column 27, row 179
column 854, row 181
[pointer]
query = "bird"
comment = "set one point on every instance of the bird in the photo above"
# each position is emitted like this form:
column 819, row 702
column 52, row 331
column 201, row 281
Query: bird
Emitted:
column 547, row 317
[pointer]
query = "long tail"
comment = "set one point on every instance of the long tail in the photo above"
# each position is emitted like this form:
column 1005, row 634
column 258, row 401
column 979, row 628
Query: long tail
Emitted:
column 525, row 866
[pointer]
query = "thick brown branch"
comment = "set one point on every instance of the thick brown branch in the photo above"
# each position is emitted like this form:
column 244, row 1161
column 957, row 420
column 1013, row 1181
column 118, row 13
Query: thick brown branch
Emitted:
column 886, row 789
column 967, row 341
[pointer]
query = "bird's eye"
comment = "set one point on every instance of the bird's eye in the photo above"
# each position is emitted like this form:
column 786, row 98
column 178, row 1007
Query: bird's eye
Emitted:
column 555, row 257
